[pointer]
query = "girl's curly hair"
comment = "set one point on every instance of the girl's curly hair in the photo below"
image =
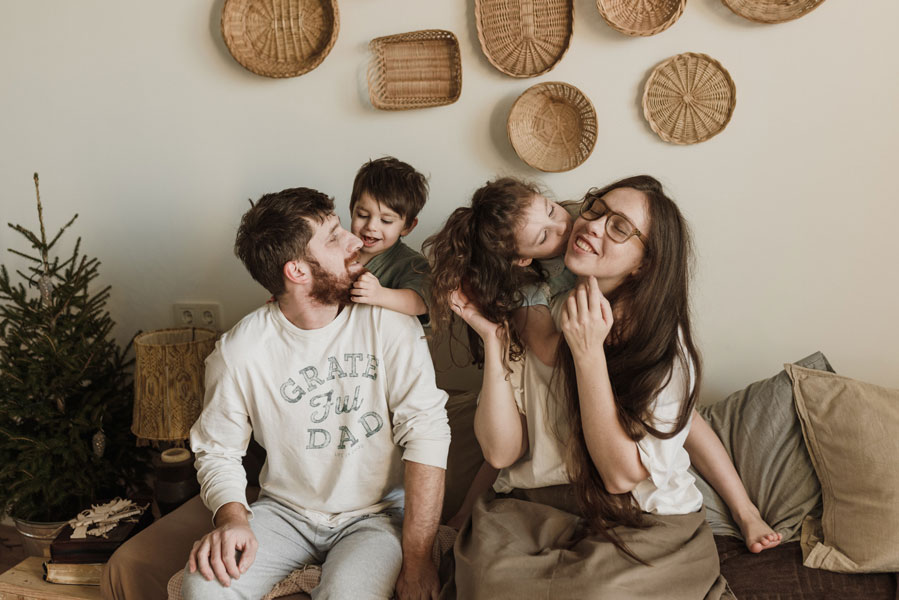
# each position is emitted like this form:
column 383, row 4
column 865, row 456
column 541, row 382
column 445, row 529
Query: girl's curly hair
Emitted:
column 476, row 251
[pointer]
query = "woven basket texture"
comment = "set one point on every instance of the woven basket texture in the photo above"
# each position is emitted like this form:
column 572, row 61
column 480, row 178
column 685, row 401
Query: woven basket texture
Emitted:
column 524, row 38
column 415, row 70
column 280, row 38
column 689, row 98
column 168, row 382
column 641, row 17
column 552, row 126
column 772, row 11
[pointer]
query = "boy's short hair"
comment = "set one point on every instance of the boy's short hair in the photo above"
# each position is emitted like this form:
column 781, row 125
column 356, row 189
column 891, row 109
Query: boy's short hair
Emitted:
column 276, row 230
column 393, row 183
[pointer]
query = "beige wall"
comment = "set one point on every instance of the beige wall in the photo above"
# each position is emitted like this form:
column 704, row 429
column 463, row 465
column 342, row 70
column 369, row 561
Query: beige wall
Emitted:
column 137, row 118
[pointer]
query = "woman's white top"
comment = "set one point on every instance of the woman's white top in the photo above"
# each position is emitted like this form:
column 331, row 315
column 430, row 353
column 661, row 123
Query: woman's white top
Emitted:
column 669, row 489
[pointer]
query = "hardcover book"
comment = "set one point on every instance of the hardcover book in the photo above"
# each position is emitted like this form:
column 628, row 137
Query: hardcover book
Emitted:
column 73, row 574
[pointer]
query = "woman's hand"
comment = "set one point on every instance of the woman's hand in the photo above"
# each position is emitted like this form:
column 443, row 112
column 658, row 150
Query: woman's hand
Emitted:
column 586, row 320
column 471, row 314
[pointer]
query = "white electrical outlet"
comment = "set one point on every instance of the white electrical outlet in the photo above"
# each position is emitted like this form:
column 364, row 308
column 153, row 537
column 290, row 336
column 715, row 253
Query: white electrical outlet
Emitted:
column 198, row 314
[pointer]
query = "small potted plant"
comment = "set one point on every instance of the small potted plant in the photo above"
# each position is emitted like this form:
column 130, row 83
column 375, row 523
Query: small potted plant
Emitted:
column 65, row 389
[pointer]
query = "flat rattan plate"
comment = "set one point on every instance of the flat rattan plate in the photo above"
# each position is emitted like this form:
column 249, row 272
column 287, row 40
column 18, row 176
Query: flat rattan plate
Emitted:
column 641, row 17
column 772, row 11
column 689, row 98
column 524, row 38
column 415, row 70
column 280, row 38
column 552, row 126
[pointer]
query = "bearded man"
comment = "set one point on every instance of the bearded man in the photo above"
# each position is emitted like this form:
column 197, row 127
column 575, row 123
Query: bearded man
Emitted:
column 342, row 397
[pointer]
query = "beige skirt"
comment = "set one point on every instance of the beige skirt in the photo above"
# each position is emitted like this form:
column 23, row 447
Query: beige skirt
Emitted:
column 529, row 545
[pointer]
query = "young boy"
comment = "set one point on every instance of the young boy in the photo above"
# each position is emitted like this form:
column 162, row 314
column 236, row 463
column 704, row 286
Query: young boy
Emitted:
column 387, row 197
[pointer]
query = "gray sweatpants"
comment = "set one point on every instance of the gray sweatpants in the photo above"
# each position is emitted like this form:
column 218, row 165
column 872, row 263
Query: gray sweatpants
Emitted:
column 360, row 559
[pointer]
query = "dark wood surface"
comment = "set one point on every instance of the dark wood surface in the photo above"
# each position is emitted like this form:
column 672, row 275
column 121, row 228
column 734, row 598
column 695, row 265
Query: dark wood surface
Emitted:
column 778, row 574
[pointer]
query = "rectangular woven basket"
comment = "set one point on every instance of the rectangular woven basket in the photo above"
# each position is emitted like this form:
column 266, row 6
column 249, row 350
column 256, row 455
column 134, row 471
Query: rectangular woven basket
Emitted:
column 418, row 69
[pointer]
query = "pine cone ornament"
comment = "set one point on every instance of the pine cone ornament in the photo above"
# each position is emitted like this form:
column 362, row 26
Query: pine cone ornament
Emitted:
column 98, row 442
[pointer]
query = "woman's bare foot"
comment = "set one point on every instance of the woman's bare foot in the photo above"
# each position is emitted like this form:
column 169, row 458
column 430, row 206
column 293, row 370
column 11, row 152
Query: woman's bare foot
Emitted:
column 757, row 534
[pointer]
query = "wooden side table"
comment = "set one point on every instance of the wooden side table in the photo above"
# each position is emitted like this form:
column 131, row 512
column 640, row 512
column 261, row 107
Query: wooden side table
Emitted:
column 25, row 581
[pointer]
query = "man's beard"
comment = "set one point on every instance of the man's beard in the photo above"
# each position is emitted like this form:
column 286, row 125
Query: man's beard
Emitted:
column 327, row 288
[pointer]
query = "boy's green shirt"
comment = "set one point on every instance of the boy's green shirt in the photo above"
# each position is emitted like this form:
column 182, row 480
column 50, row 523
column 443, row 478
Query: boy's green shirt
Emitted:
column 402, row 268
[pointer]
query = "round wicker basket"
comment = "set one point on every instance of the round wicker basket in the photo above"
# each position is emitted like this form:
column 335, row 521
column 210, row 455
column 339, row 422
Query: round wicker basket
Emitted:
column 525, row 38
column 280, row 38
column 772, row 11
column 552, row 126
column 689, row 98
column 641, row 17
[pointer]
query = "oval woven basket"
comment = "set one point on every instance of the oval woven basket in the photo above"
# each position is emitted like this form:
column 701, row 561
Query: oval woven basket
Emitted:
column 772, row 11
column 552, row 126
column 524, row 38
column 689, row 98
column 414, row 70
column 280, row 38
column 641, row 17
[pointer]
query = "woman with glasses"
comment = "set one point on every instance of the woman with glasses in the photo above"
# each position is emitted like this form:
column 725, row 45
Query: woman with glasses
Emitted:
column 593, row 484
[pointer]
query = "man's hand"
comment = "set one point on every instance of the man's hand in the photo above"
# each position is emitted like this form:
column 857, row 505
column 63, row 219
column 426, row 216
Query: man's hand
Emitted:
column 215, row 553
column 417, row 580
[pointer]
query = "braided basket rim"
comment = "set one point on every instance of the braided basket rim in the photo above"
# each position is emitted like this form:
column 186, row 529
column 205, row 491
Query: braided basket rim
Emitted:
column 376, row 69
column 502, row 68
column 675, row 16
column 658, row 68
column 763, row 8
column 536, row 89
column 230, row 13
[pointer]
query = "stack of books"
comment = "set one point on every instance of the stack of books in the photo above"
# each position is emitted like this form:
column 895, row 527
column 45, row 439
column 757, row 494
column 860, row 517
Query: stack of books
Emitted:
column 80, row 561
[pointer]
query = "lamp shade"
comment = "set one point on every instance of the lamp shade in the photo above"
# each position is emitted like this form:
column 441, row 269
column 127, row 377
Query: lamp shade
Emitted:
column 168, row 382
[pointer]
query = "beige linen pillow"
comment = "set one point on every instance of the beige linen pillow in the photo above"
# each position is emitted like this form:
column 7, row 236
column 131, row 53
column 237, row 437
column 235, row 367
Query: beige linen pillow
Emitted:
column 851, row 430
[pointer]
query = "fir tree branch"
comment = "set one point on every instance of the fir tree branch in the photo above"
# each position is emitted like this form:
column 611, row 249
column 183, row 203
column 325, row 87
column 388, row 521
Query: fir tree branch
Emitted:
column 23, row 255
column 61, row 231
column 40, row 217
column 35, row 243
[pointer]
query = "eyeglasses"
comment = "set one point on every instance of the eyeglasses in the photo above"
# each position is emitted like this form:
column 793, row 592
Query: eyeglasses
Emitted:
column 618, row 227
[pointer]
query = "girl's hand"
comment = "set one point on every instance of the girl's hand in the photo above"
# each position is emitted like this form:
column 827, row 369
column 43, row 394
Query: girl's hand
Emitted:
column 586, row 320
column 471, row 314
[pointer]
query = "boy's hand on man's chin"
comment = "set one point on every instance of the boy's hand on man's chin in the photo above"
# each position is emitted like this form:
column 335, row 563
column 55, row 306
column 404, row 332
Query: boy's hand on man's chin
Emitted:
column 366, row 289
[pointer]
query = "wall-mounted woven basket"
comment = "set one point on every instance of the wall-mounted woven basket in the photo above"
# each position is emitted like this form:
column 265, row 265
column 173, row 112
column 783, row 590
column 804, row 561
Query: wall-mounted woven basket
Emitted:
column 415, row 70
column 280, row 38
column 772, row 11
column 641, row 17
column 689, row 98
column 525, row 38
column 552, row 126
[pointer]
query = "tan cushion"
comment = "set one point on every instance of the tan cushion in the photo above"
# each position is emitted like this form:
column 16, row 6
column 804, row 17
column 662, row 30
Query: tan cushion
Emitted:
column 851, row 430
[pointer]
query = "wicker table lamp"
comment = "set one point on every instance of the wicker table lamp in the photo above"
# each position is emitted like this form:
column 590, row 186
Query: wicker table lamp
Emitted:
column 168, row 398
column 168, row 382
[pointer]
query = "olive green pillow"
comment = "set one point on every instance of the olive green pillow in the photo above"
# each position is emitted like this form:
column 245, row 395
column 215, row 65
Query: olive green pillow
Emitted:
column 759, row 428
column 851, row 429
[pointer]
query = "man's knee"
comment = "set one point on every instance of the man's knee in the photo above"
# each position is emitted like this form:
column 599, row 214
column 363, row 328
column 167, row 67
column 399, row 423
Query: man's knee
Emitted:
column 195, row 587
column 348, row 586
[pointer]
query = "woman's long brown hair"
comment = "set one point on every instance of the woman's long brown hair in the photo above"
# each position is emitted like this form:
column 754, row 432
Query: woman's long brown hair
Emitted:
column 476, row 251
column 651, row 335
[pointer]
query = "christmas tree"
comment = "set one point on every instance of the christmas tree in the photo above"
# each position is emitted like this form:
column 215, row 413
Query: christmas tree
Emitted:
column 65, row 389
